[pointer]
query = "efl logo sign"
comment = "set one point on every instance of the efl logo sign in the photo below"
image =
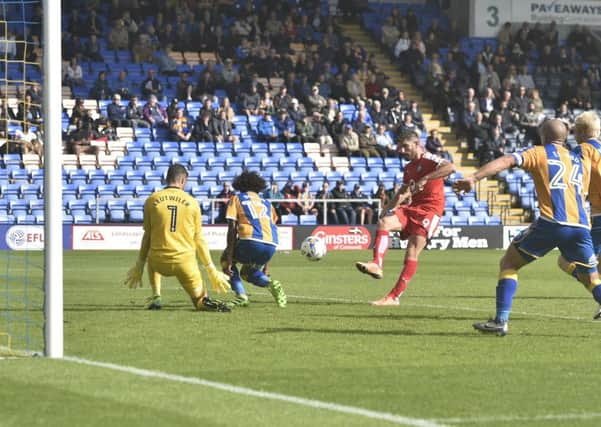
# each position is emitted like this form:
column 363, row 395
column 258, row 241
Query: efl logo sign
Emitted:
column 93, row 235
column 344, row 237
column 25, row 237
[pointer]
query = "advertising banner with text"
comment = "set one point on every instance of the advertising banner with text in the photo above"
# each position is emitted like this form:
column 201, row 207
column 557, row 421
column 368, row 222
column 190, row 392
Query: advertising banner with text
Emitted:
column 128, row 237
column 28, row 237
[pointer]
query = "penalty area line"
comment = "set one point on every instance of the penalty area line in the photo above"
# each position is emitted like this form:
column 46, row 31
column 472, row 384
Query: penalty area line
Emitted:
column 317, row 404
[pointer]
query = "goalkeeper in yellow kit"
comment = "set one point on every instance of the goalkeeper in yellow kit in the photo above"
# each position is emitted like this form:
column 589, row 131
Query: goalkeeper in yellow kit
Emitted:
column 172, row 239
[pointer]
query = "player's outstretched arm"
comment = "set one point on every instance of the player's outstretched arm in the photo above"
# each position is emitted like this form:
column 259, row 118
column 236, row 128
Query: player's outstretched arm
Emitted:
column 467, row 184
column 134, row 275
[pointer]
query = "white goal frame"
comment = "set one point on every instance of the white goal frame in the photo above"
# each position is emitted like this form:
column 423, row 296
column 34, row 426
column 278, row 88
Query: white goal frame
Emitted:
column 53, row 149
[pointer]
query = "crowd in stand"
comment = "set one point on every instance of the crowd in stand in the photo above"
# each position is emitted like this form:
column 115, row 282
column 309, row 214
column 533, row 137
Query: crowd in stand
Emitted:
column 493, row 100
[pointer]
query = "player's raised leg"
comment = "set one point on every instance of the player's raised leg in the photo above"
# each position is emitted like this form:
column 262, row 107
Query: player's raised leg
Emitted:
column 386, row 224
column 415, row 245
column 189, row 277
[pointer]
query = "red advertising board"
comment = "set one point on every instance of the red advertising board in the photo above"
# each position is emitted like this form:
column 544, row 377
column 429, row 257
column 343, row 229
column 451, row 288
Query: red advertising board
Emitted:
column 344, row 237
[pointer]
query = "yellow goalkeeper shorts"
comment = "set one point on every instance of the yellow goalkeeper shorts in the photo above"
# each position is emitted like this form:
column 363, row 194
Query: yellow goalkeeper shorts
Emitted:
column 187, row 274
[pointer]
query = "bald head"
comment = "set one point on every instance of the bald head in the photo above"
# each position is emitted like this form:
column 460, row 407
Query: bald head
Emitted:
column 553, row 131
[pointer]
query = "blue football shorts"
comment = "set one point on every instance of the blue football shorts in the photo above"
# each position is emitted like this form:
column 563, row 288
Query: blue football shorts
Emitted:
column 574, row 243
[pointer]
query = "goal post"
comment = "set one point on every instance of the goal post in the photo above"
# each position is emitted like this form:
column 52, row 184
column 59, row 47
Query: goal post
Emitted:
column 53, row 226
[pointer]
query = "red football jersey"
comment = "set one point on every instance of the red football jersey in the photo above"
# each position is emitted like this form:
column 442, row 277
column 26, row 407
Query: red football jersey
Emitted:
column 431, row 198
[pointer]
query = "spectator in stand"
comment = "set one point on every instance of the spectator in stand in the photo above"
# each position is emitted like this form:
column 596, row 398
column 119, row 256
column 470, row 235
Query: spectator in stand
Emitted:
column 92, row 51
column 363, row 210
column 416, row 114
column 305, row 130
column 117, row 113
column 143, row 48
column 135, row 114
column 203, row 128
column 223, row 128
column 250, row 101
column 344, row 211
column 228, row 73
column 521, row 101
column 183, row 87
column 266, row 130
column 378, row 116
column 307, row 203
column 122, row 84
column 296, row 111
column 505, row 34
column 469, row 117
column 537, row 101
column 492, row 148
column 488, row 103
column 274, row 193
column 291, row 191
column 489, row 80
column 320, row 130
column 529, row 124
column 226, row 193
column 348, row 142
column 266, row 104
column 227, row 107
column 285, row 127
column 77, row 113
column 471, row 97
column 329, row 112
column 155, row 114
column 368, row 145
column 354, row 88
column 323, row 194
column 385, row 143
column 525, row 78
column 172, row 109
column 435, row 146
column 73, row 74
column 407, row 125
column 583, row 95
column 100, row 89
column 478, row 133
column 360, row 121
column 119, row 36
column 282, row 100
column 29, row 112
column 180, row 129
column 564, row 114
column 402, row 46
column 151, row 86
column 390, row 34
column 315, row 102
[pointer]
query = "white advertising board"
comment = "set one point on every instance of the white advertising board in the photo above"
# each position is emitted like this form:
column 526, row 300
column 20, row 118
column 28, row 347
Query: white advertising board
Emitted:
column 25, row 237
column 488, row 16
column 129, row 237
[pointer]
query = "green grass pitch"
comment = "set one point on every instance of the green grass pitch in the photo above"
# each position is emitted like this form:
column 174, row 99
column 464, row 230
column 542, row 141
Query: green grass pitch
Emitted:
column 421, row 360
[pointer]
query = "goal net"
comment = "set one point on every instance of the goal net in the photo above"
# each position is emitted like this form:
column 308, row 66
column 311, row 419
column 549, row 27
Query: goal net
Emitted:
column 22, row 216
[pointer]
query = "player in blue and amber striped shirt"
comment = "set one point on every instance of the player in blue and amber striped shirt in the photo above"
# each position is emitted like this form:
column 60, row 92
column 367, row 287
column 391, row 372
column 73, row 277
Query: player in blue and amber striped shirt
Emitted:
column 252, row 238
column 558, row 176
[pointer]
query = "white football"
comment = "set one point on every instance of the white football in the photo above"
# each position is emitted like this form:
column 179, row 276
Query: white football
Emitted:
column 313, row 248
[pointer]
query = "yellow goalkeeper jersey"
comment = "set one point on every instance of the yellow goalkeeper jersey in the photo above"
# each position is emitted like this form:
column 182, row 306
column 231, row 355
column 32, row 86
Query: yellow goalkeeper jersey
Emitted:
column 172, row 218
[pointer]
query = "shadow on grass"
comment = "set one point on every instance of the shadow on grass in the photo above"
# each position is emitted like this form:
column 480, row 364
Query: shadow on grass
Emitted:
column 123, row 307
column 397, row 316
column 406, row 332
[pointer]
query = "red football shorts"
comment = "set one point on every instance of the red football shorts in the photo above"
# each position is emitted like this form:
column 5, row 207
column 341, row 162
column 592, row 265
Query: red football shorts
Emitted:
column 416, row 221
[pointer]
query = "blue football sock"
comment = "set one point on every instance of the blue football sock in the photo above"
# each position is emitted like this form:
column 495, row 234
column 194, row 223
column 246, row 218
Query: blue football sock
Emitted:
column 236, row 282
column 506, row 288
column 258, row 278
column 597, row 293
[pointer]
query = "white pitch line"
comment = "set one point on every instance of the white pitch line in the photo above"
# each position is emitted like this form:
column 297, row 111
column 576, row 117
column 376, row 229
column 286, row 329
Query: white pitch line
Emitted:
column 446, row 307
column 510, row 419
column 318, row 404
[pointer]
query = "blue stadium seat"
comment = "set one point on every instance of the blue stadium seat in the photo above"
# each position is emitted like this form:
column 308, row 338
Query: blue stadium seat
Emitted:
column 222, row 148
column 30, row 191
column 308, row 220
column 305, row 162
column 144, row 162
column 135, row 177
column 96, row 176
column 170, row 147
column 161, row 162
column 392, row 163
column 206, row 147
column 242, row 148
column 125, row 190
column 288, row 162
column 153, row 177
column 294, row 148
column 233, row 162
column 188, row 147
column 106, row 190
column 290, row 219
column 116, row 176
column 21, row 175
column 77, row 176
column 116, row 210
column 258, row 147
column 152, row 148
column 143, row 190
column 86, row 191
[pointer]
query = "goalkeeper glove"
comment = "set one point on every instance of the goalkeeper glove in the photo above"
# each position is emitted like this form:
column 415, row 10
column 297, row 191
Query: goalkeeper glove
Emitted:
column 133, row 279
column 220, row 282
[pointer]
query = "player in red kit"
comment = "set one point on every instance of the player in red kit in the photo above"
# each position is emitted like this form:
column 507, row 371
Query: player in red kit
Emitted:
column 415, row 211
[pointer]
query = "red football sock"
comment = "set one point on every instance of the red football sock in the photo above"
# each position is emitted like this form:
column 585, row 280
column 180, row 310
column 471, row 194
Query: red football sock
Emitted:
column 381, row 246
column 406, row 275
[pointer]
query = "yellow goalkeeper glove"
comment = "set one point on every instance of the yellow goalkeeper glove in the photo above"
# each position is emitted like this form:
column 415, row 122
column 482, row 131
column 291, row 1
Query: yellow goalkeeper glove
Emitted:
column 220, row 282
column 133, row 279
